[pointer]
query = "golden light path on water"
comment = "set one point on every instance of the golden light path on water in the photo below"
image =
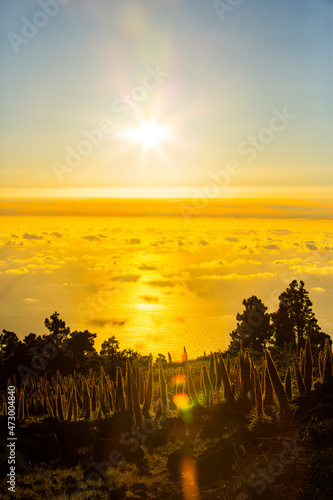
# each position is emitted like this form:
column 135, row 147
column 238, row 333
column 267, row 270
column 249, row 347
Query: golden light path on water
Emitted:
column 157, row 283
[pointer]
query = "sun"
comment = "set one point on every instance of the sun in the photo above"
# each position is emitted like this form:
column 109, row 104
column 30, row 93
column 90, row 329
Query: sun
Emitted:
column 148, row 134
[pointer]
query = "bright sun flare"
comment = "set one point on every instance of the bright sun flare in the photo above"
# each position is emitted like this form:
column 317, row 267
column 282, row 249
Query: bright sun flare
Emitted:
column 149, row 134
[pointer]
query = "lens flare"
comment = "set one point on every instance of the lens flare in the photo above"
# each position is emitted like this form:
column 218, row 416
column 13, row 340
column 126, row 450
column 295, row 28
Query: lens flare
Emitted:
column 183, row 357
column 181, row 400
column 189, row 479
column 179, row 379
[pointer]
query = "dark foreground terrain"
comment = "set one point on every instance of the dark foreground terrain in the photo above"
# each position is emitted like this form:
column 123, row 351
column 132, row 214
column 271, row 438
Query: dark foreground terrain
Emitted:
column 205, row 453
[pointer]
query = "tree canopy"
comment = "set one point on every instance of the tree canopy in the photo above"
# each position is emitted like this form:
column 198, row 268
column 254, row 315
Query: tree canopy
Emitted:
column 295, row 320
column 253, row 327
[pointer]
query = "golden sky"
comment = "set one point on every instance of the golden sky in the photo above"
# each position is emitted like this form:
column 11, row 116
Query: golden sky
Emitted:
column 165, row 95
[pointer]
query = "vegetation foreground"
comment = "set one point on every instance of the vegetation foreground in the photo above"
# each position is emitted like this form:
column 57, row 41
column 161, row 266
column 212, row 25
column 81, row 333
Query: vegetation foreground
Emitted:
column 243, row 424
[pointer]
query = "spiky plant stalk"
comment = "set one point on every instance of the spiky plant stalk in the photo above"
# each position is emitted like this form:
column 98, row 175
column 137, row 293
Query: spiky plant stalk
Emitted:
column 149, row 392
column 183, row 382
column 99, row 411
column 66, row 406
column 128, row 387
column 262, row 373
column 26, row 408
column 235, row 382
column 308, row 364
column 180, row 385
column 321, row 366
column 226, row 382
column 108, row 396
column 106, row 401
column 103, row 376
column 299, row 378
column 302, row 362
column 159, row 410
column 163, row 388
column 245, row 374
column 79, row 396
column 207, row 386
column 49, row 409
column 135, row 371
column 60, row 406
column 241, row 362
column 136, row 402
column 111, row 393
column 278, row 387
column 141, row 387
column 218, row 374
column 191, row 387
column 328, row 371
column 14, row 382
column 169, row 358
column 228, row 364
column 252, row 382
column 53, row 403
column 177, row 383
column 70, row 412
column 94, row 401
column 287, row 383
column 101, row 391
column 258, row 395
column 235, row 375
column 174, row 380
column 76, row 405
column 119, row 404
column 54, row 400
column 3, row 405
column 60, row 381
column 212, row 370
column 21, row 407
column 268, row 389
column 88, row 401
column 202, row 385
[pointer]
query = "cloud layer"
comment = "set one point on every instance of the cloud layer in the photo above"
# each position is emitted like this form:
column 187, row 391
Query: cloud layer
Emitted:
column 136, row 278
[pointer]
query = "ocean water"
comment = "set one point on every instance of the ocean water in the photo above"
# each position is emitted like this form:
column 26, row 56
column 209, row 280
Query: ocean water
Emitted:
column 157, row 283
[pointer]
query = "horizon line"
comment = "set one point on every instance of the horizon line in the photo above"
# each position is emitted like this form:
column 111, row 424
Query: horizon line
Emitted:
column 244, row 207
column 173, row 192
